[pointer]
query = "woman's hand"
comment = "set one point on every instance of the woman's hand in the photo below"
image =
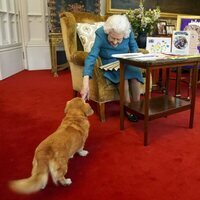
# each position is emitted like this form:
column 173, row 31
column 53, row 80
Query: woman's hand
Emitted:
column 85, row 88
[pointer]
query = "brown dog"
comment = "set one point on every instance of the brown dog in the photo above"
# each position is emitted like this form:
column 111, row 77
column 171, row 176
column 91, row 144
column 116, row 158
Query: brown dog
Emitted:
column 52, row 154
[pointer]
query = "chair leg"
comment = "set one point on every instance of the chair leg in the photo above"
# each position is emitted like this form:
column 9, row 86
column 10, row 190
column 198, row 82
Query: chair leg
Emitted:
column 101, row 109
column 75, row 93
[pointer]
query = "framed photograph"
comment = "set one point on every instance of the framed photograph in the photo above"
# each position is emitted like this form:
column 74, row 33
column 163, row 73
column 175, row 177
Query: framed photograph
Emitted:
column 189, row 23
column 161, row 28
column 184, row 7
column 121, row 6
column 170, row 29
column 185, row 20
column 169, row 8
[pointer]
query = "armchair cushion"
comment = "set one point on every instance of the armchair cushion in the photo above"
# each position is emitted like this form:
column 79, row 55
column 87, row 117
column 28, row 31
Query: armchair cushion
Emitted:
column 86, row 33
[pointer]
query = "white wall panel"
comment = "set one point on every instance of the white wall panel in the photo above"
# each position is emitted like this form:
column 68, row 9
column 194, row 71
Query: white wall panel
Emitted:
column 11, row 5
column 35, row 7
column 36, row 33
column 11, row 51
column 38, row 57
column 1, row 30
column 4, row 29
column 11, row 62
column 13, row 29
column 3, row 5
column 8, row 22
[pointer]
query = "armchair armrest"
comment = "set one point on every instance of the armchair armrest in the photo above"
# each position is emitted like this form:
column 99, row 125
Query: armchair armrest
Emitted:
column 79, row 57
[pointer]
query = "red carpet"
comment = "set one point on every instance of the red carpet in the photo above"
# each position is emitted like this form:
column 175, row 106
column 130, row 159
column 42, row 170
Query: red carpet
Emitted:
column 118, row 165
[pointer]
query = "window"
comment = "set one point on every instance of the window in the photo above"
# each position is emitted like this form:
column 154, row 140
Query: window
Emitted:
column 9, row 22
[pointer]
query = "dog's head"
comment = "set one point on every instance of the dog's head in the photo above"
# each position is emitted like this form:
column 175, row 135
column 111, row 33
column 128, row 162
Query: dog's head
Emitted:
column 78, row 104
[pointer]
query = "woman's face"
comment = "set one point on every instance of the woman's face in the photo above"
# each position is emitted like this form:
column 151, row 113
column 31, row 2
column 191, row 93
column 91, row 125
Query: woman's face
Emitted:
column 115, row 38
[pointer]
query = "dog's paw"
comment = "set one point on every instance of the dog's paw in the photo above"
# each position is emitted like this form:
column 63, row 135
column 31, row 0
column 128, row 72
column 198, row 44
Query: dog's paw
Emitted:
column 83, row 153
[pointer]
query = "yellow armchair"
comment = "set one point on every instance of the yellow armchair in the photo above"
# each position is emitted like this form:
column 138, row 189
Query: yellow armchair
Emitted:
column 100, row 91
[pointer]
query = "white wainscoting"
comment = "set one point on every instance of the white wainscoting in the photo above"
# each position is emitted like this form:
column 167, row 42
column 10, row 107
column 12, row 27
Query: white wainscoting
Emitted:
column 11, row 62
column 38, row 57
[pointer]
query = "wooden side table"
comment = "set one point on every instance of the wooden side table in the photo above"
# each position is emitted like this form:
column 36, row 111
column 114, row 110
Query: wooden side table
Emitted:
column 151, row 108
column 55, row 40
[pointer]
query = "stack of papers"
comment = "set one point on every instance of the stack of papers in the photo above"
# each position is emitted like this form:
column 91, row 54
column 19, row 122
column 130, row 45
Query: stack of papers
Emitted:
column 139, row 56
column 110, row 66
column 127, row 55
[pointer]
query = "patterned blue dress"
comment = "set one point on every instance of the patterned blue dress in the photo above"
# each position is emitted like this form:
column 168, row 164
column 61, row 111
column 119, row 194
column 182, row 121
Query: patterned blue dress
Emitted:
column 104, row 50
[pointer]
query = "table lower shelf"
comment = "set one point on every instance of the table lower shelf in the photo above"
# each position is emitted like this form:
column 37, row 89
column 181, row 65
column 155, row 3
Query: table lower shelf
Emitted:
column 160, row 106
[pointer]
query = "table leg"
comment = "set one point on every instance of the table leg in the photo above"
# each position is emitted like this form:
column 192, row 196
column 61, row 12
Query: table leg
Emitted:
column 178, row 79
column 193, row 95
column 121, row 96
column 160, row 79
column 146, row 106
column 190, row 85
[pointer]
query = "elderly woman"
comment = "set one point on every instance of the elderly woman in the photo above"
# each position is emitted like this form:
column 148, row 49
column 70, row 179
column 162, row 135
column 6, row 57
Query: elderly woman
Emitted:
column 114, row 37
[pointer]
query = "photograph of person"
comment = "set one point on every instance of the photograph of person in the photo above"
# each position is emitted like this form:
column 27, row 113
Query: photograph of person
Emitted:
column 170, row 29
column 161, row 28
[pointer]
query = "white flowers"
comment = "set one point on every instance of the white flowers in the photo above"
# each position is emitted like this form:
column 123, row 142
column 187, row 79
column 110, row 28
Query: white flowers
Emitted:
column 142, row 20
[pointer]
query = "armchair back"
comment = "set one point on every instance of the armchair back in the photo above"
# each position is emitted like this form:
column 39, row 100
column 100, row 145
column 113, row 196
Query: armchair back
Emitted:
column 69, row 22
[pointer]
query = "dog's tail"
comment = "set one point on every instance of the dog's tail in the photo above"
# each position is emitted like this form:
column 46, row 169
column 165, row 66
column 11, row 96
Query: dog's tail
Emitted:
column 33, row 184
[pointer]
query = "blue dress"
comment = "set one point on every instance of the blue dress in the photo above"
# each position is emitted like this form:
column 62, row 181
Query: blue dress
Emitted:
column 104, row 50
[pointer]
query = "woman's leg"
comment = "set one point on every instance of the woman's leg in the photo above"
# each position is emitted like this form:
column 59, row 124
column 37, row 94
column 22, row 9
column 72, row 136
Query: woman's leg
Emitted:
column 135, row 89
column 127, row 98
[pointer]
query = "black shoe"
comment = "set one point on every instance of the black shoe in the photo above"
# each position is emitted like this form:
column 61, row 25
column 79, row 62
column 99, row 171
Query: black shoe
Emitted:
column 132, row 117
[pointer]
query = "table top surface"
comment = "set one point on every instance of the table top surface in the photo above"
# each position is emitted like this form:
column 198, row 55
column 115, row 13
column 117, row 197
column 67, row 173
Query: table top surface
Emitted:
column 159, row 59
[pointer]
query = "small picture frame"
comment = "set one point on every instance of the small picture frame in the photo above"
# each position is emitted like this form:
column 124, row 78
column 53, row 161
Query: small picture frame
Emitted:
column 161, row 28
column 170, row 29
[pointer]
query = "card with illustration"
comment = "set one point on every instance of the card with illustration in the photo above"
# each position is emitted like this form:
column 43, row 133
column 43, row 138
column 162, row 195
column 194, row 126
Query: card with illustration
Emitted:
column 158, row 44
column 184, row 42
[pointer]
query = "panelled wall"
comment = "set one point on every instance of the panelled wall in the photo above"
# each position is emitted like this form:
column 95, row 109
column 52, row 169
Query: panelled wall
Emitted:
column 9, row 22
column 35, row 34
column 23, row 36
column 11, row 52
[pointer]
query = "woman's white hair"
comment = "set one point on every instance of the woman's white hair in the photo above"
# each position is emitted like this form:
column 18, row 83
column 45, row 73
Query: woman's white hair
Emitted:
column 119, row 24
